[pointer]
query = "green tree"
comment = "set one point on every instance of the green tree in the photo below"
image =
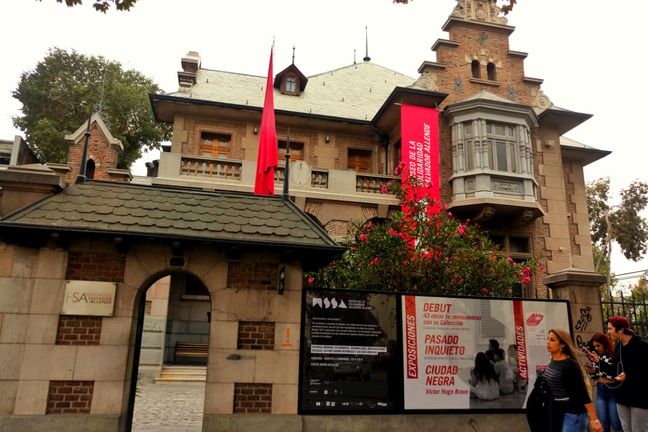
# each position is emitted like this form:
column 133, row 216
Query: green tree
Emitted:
column 422, row 251
column 639, row 292
column 622, row 222
column 65, row 87
column 102, row 5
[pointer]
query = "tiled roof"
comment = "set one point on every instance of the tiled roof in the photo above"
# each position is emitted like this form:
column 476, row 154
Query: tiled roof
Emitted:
column 171, row 213
column 356, row 91
column 573, row 143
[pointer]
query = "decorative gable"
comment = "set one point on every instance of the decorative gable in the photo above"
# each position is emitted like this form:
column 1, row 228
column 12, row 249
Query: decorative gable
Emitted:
column 290, row 81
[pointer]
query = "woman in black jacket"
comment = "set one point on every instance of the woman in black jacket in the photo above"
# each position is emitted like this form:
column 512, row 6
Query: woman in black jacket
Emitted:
column 568, row 385
column 631, row 359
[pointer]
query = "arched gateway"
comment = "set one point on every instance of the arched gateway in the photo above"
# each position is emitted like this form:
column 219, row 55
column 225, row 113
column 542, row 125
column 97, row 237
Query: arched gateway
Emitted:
column 76, row 265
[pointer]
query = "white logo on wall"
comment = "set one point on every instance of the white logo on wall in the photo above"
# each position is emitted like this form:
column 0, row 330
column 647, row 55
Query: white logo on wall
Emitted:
column 325, row 303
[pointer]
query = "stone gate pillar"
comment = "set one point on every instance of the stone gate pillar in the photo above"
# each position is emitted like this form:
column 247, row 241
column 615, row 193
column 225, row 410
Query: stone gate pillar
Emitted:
column 581, row 288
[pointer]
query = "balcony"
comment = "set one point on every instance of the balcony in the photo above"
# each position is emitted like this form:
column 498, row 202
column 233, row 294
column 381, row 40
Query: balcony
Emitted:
column 482, row 195
column 306, row 181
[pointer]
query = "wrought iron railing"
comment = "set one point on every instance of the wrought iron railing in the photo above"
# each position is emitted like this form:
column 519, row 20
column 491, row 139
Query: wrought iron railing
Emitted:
column 634, row 307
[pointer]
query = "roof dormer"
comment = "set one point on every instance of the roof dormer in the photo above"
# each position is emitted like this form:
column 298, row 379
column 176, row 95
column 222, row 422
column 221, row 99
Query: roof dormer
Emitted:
column 290, row 81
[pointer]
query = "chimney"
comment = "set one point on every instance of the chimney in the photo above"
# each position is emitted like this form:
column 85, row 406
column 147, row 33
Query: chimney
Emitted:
column 190, row 65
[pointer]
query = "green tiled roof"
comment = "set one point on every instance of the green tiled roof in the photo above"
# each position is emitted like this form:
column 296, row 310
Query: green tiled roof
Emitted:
column 139, row 210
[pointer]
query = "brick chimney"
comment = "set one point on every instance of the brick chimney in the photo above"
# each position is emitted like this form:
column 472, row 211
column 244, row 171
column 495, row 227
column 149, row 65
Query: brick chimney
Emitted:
column 102, row 156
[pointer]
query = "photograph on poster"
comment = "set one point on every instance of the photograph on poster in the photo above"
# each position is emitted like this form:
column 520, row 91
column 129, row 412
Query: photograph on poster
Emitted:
column 465, row 353
column 348, row 351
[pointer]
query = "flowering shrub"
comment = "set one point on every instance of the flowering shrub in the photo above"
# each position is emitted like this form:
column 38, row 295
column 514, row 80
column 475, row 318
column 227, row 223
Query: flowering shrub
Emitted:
column 423, row 250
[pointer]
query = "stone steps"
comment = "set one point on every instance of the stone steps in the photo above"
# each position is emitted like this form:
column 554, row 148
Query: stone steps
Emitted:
column 171, row 374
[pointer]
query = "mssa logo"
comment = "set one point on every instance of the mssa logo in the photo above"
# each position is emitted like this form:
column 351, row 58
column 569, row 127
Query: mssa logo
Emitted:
column 325, row 303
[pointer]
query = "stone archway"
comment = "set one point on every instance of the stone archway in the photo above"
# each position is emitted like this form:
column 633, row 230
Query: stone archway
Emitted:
column 192, row 276
column 172, row 342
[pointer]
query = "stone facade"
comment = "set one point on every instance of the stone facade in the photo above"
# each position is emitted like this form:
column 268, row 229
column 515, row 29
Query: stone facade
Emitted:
column 43, row 375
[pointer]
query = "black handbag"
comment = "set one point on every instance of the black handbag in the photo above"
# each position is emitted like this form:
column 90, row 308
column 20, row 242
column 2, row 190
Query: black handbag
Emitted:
column 543, row 414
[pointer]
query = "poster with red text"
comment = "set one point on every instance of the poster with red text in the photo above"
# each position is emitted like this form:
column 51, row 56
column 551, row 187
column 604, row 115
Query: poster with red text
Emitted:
column 453, row 346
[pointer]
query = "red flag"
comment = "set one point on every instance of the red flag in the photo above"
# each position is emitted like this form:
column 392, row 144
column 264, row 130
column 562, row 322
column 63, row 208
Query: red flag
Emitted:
column 420, row 152
column 267, row 157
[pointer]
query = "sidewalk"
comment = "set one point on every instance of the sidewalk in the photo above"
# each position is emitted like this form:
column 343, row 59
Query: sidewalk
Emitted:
column 169, row 407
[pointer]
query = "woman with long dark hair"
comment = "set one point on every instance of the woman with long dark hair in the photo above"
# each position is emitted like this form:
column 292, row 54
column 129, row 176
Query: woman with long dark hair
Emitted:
column 483, row 379
column 605, row 401
column 569, row 386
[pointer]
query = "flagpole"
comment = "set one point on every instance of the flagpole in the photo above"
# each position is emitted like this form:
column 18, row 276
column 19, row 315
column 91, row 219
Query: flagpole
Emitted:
column 287, row 169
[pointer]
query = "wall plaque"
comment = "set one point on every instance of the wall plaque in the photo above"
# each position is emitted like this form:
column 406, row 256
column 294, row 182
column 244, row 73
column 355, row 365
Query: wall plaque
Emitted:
column 89, row 298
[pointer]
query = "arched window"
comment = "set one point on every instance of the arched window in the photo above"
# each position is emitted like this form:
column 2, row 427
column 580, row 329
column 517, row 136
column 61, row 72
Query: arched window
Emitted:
column 490, row 70
column 90, row 169
column 476, row 72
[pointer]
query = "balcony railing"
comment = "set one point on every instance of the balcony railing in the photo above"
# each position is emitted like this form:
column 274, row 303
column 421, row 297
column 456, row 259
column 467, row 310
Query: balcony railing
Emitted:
column 208, row 167
column 303, row 178
column 319, row 178
column 373, row 183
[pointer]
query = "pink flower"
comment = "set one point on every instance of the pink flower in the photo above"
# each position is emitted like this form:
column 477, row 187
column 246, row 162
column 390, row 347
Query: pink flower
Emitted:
column 449, row 214
column 509, row 260
column 374, row 261
column 461, row 229
column 405, row 262
column 437, row 254
column 311, row 280
column 363, row 237
column 484, row 291
column 383, row 189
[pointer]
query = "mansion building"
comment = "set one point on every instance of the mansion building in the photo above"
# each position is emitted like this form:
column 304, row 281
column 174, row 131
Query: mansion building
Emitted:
column 192, row 268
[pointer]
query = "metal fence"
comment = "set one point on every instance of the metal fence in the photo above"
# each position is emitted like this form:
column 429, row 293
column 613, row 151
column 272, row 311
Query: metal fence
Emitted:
column 635, row 308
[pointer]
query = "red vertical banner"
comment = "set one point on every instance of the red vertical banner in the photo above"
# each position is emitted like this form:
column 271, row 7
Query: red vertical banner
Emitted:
column 520, row 342
column 411, row 345
column 267, row 157
column 420, row 152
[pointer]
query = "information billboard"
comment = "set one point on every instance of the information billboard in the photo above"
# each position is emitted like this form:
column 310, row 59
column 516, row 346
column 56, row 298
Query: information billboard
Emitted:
column 369, row 352
column 348, row 351
column 445, row 342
